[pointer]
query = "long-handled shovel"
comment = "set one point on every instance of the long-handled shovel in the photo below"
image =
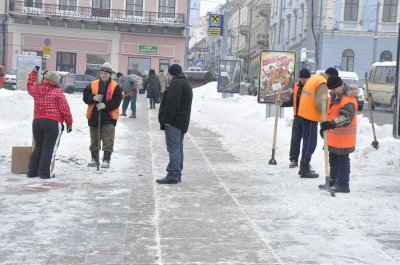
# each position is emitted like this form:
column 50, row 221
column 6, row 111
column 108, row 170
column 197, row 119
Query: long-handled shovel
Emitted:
column 98, row 141
column 272, row 161
column 375, row 142
column 326, row 186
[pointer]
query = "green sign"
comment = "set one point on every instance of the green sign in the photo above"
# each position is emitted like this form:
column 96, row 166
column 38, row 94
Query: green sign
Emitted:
column 147, row 49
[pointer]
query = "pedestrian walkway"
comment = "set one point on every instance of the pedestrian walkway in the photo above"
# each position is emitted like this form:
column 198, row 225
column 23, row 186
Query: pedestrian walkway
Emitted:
column 221, row 213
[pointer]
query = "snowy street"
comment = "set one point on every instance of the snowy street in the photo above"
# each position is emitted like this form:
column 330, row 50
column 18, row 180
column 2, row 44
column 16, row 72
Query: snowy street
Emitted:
column 231, row 207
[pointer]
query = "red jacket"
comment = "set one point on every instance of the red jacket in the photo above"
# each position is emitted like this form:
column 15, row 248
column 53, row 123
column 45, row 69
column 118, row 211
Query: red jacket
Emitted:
column 50, row 102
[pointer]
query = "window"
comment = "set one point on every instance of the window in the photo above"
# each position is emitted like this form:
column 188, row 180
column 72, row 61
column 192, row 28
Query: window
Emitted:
column 391, row 75
column 164, row 64
column 348, row 60
column 377, row 75
column 384, row 75
column 101, row 8
column 139, row 66
column 166, row 8
column 386, row 56
column 66, row 61
column 33, row 3
column 389, row 10
column 351, row 10
column 134, row 7
column 94, row 61
column 69, row 5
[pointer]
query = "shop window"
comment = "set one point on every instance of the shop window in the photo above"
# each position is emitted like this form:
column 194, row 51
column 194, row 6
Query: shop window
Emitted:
column 139, row 66
column 164, row 64
column 66, row 61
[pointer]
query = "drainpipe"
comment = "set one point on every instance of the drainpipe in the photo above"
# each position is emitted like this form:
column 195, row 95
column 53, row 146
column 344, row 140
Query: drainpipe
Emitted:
column 3, row 24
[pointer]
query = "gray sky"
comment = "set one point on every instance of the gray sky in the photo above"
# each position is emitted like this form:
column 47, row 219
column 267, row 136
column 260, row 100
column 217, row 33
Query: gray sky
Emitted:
column 209, row 5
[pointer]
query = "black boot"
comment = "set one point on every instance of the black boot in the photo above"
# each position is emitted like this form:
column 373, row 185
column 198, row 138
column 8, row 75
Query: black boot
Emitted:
column 331, row 184
column 305, row 172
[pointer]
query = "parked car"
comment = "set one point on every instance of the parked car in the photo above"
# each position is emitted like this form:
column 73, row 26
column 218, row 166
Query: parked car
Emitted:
column 11, row 79
column 80, row 83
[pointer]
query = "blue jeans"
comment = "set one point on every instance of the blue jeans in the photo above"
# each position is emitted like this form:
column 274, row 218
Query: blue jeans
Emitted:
column 174, row 141
column 310, row 136
column 339, row 169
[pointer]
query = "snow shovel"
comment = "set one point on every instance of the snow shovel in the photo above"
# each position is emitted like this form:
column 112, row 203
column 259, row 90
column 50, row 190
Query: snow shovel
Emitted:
column 272, row 161
column 98, row 141
column 375, row 142
column 327, row 178
column 127, row 95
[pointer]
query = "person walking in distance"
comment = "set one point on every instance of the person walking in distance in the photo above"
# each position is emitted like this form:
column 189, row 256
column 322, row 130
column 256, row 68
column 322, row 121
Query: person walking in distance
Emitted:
column 310, row 111
column 297, row 128
column 174, row 118
column 341, row 125
column 164, row 82
column 152, row 85
column 130, row 87
column 103, row 97
column 50, row 112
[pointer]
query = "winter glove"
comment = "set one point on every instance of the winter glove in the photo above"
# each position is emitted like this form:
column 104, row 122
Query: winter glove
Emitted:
column 100, row 106
column 69, row 130
column 98, row 97
column 326, row 125
column 37, row 68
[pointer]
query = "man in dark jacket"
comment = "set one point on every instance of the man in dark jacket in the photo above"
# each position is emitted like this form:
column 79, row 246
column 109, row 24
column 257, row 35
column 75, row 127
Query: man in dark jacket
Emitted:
column 102, row 96
column 152, row 85
column 174, row 118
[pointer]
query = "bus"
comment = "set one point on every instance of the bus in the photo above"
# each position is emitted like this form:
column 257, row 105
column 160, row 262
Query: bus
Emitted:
column 382, row 78
column 196, row 78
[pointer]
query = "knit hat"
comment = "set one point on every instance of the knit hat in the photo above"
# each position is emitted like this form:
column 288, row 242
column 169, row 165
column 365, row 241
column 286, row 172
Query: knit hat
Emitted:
column 331, row 71
column 106, row 67
column 175, row 69
column 304, row 73
column 52, row 76
column 334, row 81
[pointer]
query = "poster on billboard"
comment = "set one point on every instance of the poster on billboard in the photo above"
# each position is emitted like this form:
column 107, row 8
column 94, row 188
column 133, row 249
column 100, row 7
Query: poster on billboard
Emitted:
column 194, row 13
column 229, row 76
column 277, row 72
column 25, row 65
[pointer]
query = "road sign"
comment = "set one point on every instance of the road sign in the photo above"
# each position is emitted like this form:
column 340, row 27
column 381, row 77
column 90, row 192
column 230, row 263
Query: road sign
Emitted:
column 215, row 25
column 47, row 42
column 199, row 62
column 46, row 51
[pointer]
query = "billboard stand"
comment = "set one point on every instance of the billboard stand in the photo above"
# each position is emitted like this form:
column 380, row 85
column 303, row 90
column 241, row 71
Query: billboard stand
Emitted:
column 270, row 111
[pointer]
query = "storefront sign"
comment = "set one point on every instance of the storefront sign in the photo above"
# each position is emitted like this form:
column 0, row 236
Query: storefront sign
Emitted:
column 148, row 49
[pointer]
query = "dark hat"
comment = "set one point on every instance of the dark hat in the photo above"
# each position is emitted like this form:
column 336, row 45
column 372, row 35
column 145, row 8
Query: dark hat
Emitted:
column 152, row 72
column 119, row 74
column 304, row 73
column 175, row 69
column 334, row 81
column 331, row 71
column 106, row 67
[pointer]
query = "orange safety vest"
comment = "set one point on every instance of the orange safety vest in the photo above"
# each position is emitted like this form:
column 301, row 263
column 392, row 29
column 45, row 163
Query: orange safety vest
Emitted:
column 344, row 137
column 110, row 92
column 295, row 89
column 307, row 107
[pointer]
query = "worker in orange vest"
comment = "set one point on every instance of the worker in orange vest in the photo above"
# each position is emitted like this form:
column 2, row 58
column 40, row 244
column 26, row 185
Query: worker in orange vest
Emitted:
column 297, row 128
column 341, row 125
column 102, row 96
column 310, row 111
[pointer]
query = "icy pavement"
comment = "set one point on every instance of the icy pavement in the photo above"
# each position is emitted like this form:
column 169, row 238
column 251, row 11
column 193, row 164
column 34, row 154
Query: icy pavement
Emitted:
column 226, row 210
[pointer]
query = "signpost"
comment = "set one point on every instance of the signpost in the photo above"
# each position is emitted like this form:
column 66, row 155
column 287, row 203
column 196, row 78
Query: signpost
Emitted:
column 215, row 25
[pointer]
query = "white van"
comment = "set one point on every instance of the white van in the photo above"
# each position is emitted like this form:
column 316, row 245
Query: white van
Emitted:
column 351, row 78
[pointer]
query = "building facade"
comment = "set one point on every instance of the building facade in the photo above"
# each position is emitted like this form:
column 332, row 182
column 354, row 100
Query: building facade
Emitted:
column 133, row 35
column 347, row 34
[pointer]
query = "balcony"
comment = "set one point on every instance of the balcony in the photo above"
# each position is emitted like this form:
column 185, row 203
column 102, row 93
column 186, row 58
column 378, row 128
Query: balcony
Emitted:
column 244, row 29
column 51, row 11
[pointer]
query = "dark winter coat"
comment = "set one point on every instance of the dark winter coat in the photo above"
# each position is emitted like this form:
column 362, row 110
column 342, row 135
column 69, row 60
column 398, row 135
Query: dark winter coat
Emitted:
column 110, row 105
column 152, row 85
column 290, row 102
column 176, row 104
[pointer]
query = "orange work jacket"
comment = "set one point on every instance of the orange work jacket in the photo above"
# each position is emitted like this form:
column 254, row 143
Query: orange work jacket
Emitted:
column 110, row 92
column 345, row 137
column 295, row 90
column 307, row 108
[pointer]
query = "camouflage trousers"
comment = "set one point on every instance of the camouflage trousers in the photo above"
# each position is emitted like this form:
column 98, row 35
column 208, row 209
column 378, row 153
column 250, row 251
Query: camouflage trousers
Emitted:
column 107, row 135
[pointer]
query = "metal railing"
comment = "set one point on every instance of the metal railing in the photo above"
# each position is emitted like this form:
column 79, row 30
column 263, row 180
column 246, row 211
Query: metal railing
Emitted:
column 100, row 14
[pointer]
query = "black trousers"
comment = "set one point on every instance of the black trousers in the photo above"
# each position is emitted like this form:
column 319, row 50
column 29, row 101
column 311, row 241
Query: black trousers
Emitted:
column 47, row 134
column 295, row 142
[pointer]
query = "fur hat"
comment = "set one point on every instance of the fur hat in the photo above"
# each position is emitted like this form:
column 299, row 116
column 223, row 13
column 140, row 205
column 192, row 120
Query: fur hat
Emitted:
column 175, row 69
column 304, row 73
column 106, row 67
column 52, row 76
column 331, row 71
column 334, row 81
